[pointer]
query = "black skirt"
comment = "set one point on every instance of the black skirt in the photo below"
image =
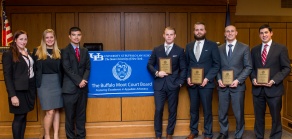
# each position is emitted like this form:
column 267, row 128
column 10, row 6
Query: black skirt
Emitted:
column 26, row 99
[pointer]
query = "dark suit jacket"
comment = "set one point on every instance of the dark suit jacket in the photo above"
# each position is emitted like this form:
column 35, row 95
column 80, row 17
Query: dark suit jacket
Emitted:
column 240, row 62
column 279, row 64
column 38, row 69
column 209, row 60
column 74, row 71
column 178, row 67
column 15, row 74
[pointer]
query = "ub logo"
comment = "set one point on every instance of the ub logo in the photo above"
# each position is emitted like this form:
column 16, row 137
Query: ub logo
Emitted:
column 122, row 71
column 96, row 57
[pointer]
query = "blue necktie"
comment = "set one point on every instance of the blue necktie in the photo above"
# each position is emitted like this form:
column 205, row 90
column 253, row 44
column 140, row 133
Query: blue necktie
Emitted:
column 230, row 51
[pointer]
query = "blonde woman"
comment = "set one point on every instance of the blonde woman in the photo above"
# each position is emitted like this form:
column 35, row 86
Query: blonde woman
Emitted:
column 48, row 81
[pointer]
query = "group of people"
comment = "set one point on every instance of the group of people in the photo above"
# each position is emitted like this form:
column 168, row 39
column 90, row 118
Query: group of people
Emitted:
column 203, row 54
column 59, row 77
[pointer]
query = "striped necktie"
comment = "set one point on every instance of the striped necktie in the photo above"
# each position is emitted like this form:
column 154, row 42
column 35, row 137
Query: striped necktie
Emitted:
column 264, row 54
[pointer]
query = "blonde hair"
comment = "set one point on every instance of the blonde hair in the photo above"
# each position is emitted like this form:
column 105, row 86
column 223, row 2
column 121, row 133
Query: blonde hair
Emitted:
column 42, row 49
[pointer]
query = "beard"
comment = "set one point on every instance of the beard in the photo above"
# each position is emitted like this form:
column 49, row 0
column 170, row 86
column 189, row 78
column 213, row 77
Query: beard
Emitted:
column 199, row 37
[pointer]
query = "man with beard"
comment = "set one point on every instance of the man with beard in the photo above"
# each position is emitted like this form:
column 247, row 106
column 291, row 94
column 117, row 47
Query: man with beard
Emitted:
column 201, row 53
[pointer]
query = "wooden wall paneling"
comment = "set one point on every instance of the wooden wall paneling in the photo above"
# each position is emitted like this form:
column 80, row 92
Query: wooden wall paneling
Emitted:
column 289, row 42
column 214, row 23
column 101, row 27
column 103, row 109
column 243, row 35
column 180, row 22
column 144, row 31
column 64, row 21
column 5, row 116
column 34, row 24
column 288, row 98
column 138, row 108
column 118, row 2
column 183, row 108
column 279, row 32
column 254, row 38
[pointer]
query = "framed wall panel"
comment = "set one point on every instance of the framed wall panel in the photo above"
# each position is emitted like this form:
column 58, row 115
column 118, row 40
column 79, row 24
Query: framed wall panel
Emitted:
column 143, row 31
column 102, row 28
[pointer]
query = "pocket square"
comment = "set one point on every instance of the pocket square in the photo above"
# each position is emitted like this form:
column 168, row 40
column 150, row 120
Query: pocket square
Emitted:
column 174, row 56
column 206, row 50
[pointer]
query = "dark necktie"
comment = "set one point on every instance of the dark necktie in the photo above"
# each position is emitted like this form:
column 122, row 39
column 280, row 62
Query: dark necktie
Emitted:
column 230, row 51
column 264, row 54
column 77, row 54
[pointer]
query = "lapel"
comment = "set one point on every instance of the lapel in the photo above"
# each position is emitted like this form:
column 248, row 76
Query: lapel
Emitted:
column 259, row 54
column 224, row 52
column 22, row 60
column 161, row 50
column 72, row 51
column 205, row 48
column 191, row 50
column 172, row 51
column 270, row 54
column 236, row 50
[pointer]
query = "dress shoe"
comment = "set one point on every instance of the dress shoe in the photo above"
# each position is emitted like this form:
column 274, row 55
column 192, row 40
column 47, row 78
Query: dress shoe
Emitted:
column 237, row 138
column 192, row 136
column 222, row 136
column 168, row 136
column 207, row 138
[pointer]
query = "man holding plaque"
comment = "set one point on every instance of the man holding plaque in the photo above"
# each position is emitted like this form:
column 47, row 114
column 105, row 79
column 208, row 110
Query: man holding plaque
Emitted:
column 203, row 63
column 167, row 64
column 270, row 62
column 235, row 67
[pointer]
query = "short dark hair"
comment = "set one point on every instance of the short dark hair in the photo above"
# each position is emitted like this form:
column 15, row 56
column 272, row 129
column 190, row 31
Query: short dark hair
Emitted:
column 265, row 26
column 74, row 29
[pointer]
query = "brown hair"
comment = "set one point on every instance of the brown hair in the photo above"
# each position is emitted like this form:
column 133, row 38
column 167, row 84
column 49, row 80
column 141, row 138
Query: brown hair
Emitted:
column 13, row 48
column 170, row 28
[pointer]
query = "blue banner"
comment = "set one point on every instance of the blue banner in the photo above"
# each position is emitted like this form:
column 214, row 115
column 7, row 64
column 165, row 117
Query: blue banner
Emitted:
column 119, row 74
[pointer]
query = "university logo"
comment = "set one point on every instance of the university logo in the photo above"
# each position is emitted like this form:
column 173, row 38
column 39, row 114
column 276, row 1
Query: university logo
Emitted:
column 96, row 57
column 122, row 71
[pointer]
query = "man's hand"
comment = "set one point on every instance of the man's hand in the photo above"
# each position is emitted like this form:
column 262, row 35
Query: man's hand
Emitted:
column 234, row 83
column 205, row 81
column 189, row 82
column 220, row 83
column 162, row 74
column 82, row 83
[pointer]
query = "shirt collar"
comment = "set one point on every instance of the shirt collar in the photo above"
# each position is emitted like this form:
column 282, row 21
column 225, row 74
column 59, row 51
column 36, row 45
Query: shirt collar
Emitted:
column 201, row 41
column 74, row 46
column 233, row 43
column 269, row 43
column 165, row 44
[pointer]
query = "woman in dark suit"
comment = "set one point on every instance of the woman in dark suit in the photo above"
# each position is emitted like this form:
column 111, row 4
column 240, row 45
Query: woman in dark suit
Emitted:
column 19, row 81
column 47, row 59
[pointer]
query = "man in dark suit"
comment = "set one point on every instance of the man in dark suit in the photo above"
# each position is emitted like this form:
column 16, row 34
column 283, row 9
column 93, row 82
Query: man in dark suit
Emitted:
column 274, row 56
column 234, row 56
column 167, row 85
column 76, row 65
column 201, row 53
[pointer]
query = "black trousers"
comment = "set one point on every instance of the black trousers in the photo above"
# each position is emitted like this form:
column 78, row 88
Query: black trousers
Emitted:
column 75, row 114
column 160, row 97
column 275, row 106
